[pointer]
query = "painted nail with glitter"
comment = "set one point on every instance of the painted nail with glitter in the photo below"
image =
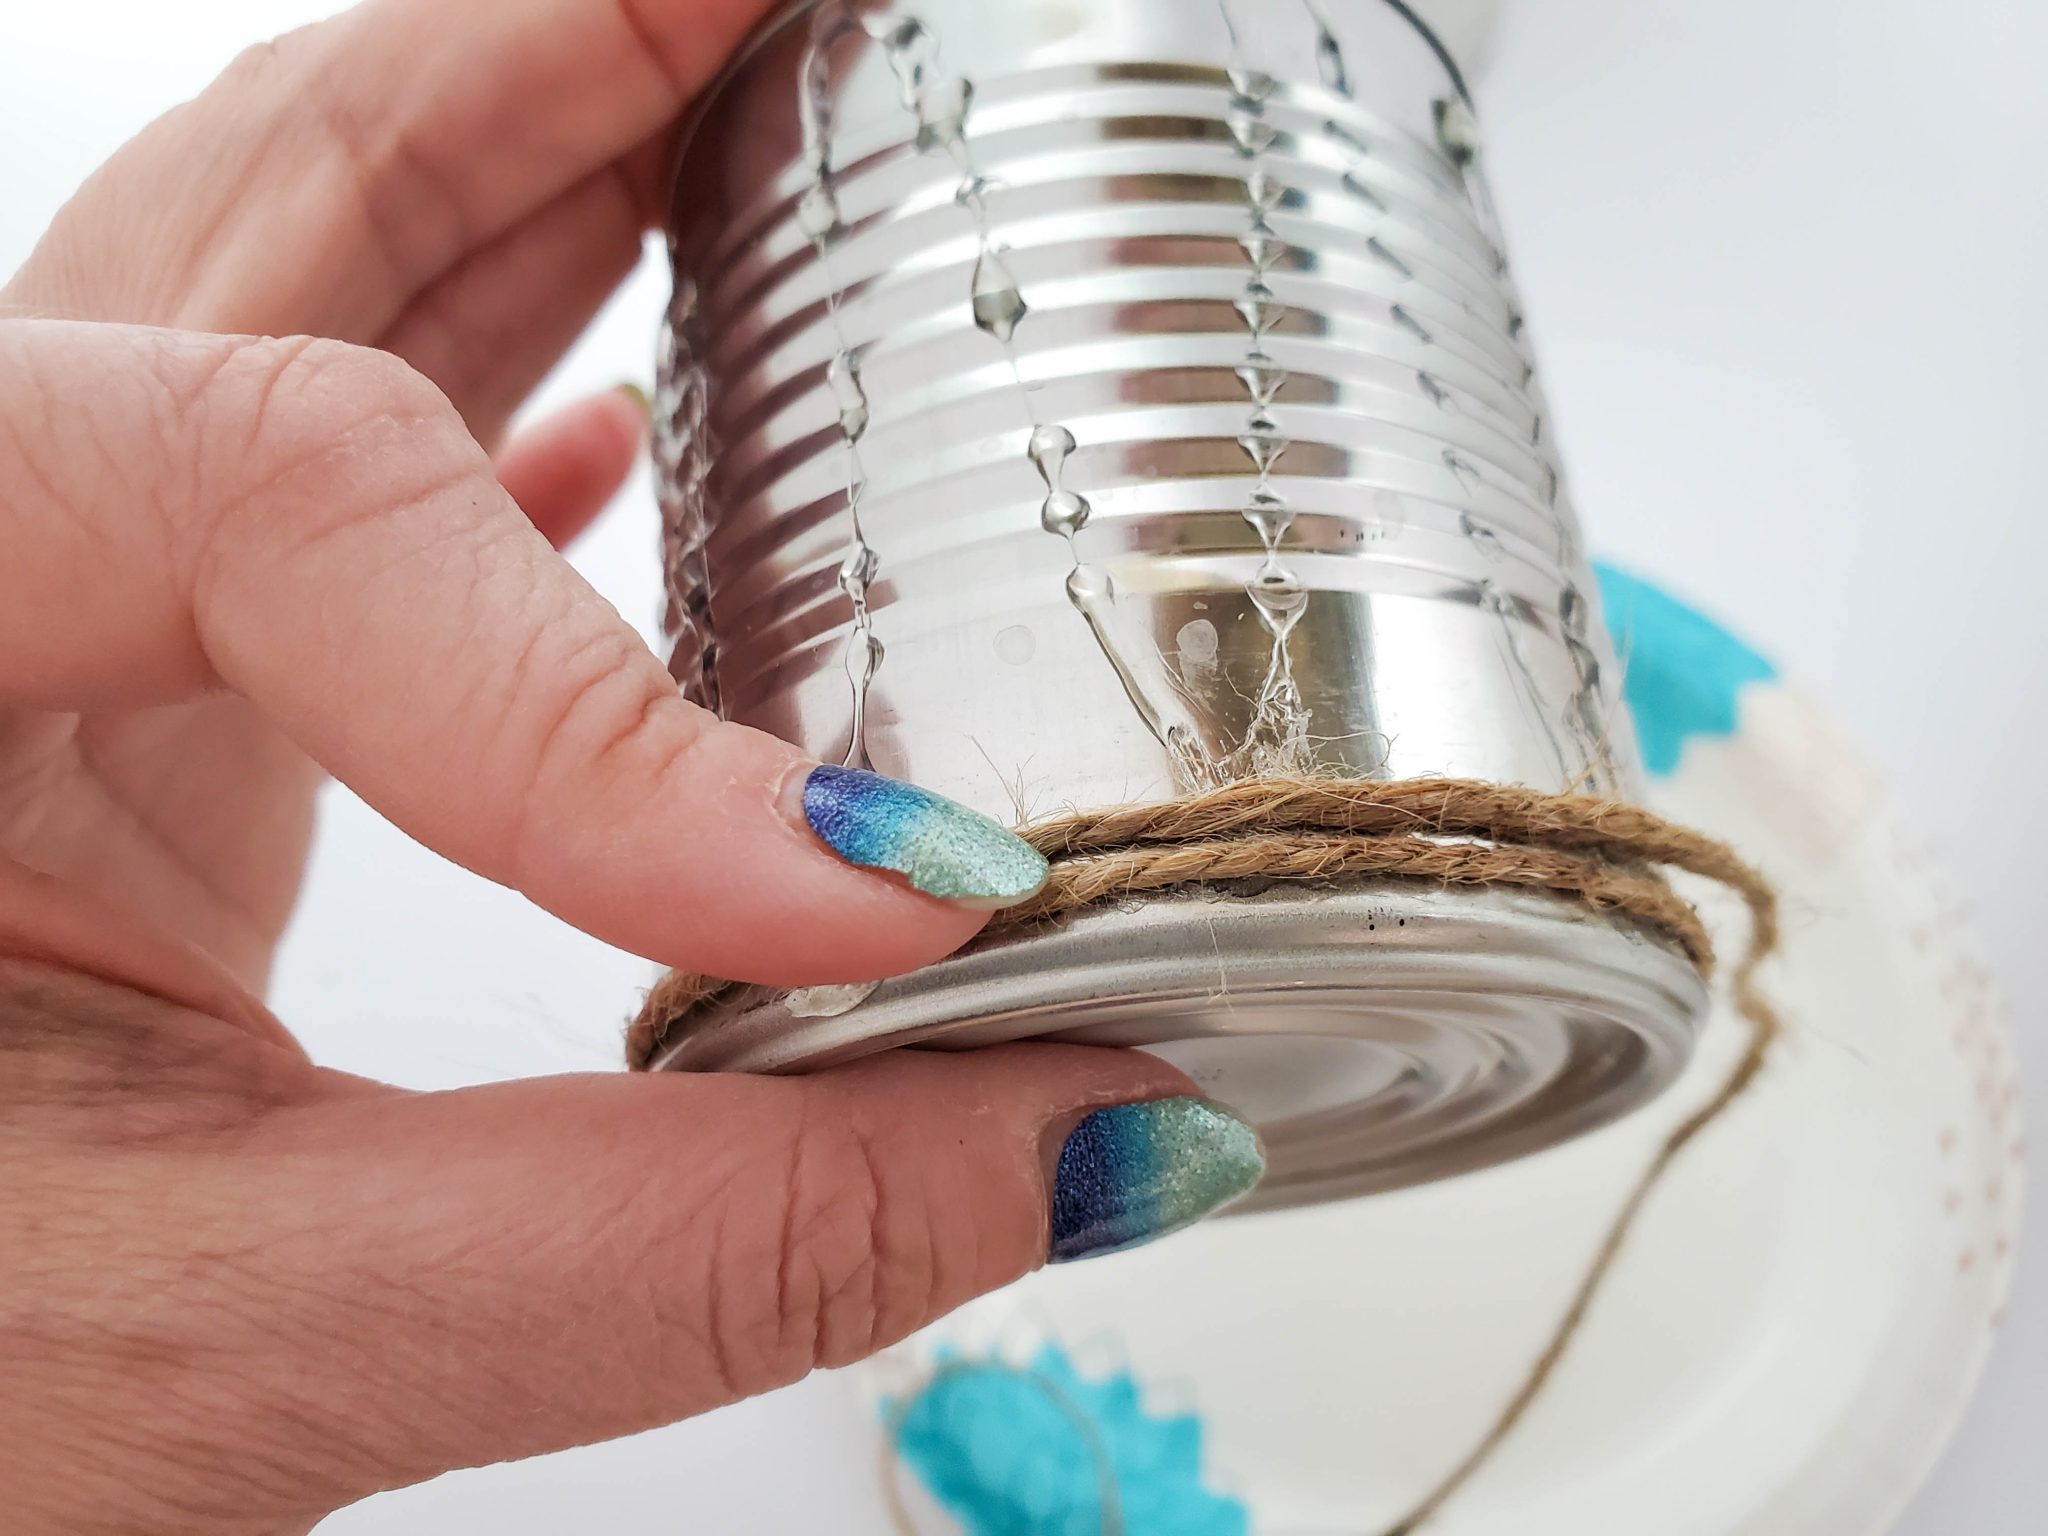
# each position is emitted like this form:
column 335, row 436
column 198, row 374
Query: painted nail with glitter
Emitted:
column 938, row 845
column 1135, row 1172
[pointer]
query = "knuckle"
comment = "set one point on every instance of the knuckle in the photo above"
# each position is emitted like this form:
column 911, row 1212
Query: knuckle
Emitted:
column 590, row 710
column 275, row 396
column 606, row 706
column 340, row 432
column 204, row 382
column 304, row 448
column 283, row 82
column 258, row 66
column 341, row 372
column 792, row 1261
column 407, row 195
column 854, row 1266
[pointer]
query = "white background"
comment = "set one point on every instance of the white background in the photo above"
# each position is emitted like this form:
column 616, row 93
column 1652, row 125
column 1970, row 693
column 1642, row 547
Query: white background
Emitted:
column 1785, row 261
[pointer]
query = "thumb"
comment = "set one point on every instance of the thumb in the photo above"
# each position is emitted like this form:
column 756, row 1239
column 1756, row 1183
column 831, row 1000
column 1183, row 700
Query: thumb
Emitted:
column 311, row 525
column 653, row 1247
column 424, row 1282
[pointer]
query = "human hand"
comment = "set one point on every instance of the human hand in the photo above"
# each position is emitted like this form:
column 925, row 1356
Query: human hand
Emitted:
column 247, row 387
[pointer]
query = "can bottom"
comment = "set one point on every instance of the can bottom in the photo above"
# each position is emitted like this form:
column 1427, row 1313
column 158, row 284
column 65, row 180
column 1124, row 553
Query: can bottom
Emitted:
column 1379, row 1034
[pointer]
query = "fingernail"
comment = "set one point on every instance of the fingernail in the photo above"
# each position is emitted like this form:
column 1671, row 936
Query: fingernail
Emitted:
column 638, row 396
column 1135, row 1172
column 939, row 845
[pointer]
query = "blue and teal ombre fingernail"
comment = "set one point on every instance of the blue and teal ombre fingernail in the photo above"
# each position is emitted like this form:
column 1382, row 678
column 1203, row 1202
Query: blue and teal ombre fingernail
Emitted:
column 1134, row 1172
column 940, row 846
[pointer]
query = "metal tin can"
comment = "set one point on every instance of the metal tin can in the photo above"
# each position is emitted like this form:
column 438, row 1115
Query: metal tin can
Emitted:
column 1067, row 405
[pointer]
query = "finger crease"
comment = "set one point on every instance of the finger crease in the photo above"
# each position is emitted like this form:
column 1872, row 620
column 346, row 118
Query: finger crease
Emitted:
column 648, row 42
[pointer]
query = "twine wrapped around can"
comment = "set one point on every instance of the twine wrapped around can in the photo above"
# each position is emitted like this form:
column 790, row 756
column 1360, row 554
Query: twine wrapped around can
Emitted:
column 1603, row 852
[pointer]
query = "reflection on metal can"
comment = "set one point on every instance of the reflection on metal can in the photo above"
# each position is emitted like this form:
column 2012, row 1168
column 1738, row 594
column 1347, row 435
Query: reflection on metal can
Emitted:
column 1071, row 405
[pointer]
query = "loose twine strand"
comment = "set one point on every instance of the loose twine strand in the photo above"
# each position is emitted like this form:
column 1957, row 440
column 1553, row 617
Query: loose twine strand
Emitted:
column 1451, row 831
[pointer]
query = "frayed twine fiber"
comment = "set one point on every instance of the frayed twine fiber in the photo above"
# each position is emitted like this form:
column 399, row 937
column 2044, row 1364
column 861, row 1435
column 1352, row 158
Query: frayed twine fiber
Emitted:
column 1450, row 831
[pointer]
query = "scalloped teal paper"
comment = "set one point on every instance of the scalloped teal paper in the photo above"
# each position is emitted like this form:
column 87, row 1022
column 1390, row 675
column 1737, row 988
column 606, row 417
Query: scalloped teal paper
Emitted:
column 1681, row 673
column 1027, row 1451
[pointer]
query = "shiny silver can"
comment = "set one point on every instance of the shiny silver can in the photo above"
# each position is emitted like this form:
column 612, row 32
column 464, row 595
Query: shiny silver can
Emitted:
column 1070, row 404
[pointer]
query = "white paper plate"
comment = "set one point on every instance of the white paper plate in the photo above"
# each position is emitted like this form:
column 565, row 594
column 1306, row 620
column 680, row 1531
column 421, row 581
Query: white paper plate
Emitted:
column 1784, row 1346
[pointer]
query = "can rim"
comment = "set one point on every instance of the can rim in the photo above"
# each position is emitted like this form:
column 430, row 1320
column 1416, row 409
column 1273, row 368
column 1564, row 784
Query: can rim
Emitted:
column 1380, row 1033
column 771, row 25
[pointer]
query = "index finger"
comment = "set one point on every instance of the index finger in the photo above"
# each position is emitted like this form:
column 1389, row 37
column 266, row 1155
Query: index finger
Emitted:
column 310, row 525
column 392, row 140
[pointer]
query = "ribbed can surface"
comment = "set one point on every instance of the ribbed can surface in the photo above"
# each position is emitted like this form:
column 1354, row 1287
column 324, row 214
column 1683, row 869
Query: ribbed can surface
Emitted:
column 1233, row 242
column 1066, row 404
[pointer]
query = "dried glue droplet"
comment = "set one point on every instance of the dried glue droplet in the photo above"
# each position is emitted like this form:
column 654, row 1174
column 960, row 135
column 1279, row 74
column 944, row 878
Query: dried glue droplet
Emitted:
column 843, row 375
column 998, row 304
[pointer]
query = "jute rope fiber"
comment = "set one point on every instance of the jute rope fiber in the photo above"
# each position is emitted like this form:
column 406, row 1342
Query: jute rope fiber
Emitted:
column 1448, row 831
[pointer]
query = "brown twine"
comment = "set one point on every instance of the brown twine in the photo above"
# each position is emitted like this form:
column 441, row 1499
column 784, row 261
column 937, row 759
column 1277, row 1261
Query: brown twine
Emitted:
column 1450, row 831
column 1306, row 830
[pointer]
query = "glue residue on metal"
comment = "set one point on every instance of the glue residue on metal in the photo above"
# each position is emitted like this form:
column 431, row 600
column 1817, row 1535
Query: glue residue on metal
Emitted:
column 997, row 303
column 1150, row 374
column 1092, row 592
column 1276, row 742
column 819, row 216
